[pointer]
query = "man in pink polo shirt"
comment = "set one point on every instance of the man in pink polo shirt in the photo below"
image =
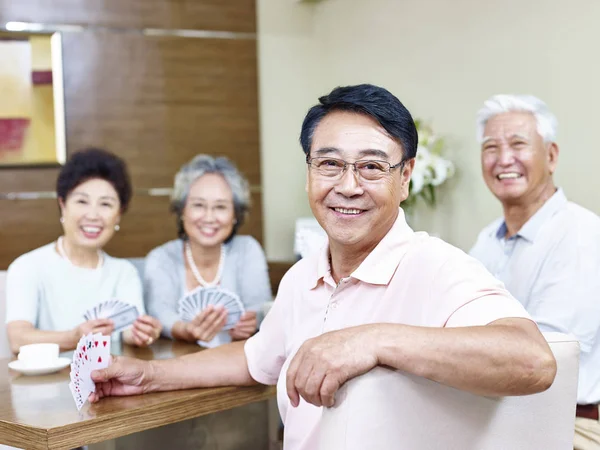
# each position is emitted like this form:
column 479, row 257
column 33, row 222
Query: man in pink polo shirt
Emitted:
column 377, row 294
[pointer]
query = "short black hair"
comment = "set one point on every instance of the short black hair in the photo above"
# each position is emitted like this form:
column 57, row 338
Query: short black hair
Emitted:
column 372, row 101
column 91, row 163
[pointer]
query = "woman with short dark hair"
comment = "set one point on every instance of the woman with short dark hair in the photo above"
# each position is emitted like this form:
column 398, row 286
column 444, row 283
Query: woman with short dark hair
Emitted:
column 51, row 288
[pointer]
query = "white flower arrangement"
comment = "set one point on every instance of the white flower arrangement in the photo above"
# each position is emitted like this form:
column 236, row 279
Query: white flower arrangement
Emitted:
column 431, row 169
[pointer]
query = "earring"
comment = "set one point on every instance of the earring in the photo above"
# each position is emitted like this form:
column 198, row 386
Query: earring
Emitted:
column 235, row 221
column 62, row 219
column 117, row 227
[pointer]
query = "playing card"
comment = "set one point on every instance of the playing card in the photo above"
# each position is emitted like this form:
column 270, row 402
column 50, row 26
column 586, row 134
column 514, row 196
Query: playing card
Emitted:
column 92, row 353
column 124, row 317
column 77, row 396
column 106, row 309
column 200, row 298
column 82, row 359
column 100, row 352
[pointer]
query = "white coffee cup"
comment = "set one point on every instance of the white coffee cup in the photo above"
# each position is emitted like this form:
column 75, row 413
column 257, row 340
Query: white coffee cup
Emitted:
column 38, row 355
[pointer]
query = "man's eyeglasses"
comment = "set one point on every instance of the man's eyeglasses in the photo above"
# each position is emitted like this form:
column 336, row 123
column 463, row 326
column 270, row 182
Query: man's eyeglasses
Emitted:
column 333, row 168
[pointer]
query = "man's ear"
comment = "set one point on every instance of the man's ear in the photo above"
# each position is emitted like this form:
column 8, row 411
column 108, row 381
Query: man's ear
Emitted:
column 553, row 151
column 306, row 184
column 407, row 170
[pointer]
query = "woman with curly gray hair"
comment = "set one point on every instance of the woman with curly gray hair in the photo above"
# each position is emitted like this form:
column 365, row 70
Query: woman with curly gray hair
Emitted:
column 210, row 200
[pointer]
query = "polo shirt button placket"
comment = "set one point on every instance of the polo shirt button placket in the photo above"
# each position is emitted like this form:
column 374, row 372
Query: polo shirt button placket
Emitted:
column 333, row 303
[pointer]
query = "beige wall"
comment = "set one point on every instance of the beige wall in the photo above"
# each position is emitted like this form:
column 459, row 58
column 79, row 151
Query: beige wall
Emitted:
column 442, row 59
column 290, row 81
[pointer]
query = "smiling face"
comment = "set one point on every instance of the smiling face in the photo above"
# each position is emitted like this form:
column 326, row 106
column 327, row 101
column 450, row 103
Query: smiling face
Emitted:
column 90, row 213
column 517, row 164
column 351, row 210
column 208, row 214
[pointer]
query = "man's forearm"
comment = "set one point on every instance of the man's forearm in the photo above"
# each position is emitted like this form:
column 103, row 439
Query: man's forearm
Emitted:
column 222, row 366
column 508, row 357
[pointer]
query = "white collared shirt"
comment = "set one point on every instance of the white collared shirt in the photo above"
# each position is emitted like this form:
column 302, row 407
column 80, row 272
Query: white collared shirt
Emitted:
column 552, row 266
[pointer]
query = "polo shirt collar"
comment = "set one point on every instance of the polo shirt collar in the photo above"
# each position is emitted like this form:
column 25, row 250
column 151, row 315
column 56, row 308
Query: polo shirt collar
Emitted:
column 380, row 265
column 531, row 228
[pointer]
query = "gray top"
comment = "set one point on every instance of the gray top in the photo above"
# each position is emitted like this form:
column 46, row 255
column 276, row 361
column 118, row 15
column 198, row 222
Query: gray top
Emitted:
column 245, row 272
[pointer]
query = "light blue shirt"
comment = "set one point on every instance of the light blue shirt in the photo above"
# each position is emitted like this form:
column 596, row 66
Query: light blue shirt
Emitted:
column 552, row 266
column 245, row 272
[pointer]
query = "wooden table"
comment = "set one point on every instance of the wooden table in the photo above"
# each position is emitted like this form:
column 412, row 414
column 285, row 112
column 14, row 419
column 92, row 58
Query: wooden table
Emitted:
column 38, row 412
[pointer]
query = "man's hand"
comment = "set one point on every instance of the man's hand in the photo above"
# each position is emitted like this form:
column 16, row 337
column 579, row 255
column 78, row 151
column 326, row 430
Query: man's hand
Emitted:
column 124, row 376
column 326, row 362
column 245, row 327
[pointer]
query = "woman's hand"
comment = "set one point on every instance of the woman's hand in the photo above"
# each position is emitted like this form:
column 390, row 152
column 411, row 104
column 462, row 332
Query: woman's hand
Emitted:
column 103, row 326
column 208, row 323
column 146, row 329
column 245, row 327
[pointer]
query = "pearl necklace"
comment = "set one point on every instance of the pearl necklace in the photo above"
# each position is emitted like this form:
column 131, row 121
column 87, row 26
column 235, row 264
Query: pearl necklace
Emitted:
column 196, row 272
column 61, row 252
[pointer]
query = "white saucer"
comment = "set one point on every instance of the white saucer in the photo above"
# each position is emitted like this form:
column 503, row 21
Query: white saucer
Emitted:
column 59, row 364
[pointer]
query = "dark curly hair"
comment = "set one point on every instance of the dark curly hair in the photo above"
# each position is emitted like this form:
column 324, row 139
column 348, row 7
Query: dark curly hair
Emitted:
column 93, row 163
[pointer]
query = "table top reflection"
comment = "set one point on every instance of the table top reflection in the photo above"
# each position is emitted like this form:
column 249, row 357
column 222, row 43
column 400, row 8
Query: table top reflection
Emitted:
column 38, row 412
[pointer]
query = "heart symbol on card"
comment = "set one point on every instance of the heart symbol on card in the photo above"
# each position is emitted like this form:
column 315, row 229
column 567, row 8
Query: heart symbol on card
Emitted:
column 96, row 343
column 104, row 343
column 86, row 357
column 99, row 359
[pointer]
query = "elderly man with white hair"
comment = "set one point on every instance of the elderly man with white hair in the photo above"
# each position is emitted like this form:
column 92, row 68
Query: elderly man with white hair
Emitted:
column 545, row 248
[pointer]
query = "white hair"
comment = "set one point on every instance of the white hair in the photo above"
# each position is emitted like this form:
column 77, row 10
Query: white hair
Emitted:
column 502, row 103
column 203, row 164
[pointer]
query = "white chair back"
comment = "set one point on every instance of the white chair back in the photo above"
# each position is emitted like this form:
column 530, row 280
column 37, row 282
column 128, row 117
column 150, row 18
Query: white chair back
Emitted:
column 385, row 410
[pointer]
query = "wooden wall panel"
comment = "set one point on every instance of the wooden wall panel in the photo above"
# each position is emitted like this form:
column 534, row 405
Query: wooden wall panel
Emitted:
column 28, row 224
column 221, row 15
column 27, row 180
column 25, row 225
column 276, row 272
column 155, row 100
column 158, row 101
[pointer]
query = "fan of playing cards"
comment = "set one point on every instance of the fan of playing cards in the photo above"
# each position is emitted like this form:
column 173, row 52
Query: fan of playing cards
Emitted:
column 197, row 300
column 122, row 314
column 92, row 353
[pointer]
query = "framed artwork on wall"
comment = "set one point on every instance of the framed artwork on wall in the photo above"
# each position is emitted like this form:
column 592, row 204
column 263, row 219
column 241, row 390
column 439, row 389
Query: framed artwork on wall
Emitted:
column 32, row 112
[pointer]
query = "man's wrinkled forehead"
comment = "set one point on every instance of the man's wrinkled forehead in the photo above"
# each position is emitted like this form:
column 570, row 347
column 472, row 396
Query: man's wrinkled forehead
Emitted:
column 514, row 136
column 510, row 126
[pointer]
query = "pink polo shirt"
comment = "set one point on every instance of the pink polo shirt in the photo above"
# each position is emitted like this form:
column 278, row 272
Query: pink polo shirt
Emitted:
column 409, row 278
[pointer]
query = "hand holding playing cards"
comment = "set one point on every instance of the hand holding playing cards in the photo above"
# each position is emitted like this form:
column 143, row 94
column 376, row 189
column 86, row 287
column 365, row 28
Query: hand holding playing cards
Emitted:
column 94, row 326
column 124, row 376
column 326, row 362
column 208, row 323
column 145, row 331
column 245, row 327
column 92, row 352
